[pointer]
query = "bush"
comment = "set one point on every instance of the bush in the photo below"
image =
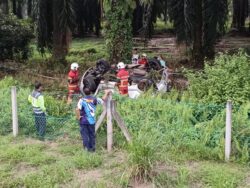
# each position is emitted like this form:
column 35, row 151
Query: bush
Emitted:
column 227, row 78
column 15, row 36
column 143, row 153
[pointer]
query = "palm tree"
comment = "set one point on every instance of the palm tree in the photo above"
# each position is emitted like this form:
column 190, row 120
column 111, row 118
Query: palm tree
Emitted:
column 145, row 15
column 55, row 21
column 198, row 23
column 118, row 29
column 4, row 6
column 63, row 20
column 240, row 13
column 88, row 16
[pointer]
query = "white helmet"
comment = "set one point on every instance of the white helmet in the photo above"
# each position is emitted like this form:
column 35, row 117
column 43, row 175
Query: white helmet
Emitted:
column 74, row 66
column 120, row 65
column 144, row 55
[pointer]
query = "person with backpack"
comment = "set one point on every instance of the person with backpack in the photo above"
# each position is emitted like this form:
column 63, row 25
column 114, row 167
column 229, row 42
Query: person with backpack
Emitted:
column 85, row 113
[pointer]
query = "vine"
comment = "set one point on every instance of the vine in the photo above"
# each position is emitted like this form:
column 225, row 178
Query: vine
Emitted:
column 118, row 30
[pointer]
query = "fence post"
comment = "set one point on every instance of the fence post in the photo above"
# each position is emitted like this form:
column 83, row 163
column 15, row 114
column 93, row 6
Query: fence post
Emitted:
column 14, row 111
column 228, row 130
column 109, row 124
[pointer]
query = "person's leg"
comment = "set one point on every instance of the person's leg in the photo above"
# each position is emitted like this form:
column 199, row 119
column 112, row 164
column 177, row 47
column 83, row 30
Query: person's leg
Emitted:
column 92, row 137
column 85, row 137
column 69, row 101
column 41, row 124
column 37, row 123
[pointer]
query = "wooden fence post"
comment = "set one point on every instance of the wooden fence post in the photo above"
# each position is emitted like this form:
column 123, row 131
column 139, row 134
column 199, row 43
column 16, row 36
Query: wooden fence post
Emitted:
column 228, row 130
column 110, row 111
column 120, row 121
column 14, row 111
column 109, row 125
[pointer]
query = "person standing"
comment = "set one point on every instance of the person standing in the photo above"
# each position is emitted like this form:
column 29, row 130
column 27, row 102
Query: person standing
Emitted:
column 135, row 56
column 73, row 78
column 122, row 76
column 85, row 113
column 37, row 100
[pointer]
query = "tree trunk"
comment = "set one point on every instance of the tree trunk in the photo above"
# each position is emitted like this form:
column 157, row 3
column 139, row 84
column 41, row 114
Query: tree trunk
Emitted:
column 30, row 8
column 240, row 13
column 19, row 10
column 61, row 38
column 98, row 19
column 14, row 7
column 4, row 6
column 197, row 44
column 25, row 9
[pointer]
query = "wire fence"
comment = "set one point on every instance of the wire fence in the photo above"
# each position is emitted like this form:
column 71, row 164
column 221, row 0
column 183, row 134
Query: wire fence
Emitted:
column 185, row 120
column 58, row 121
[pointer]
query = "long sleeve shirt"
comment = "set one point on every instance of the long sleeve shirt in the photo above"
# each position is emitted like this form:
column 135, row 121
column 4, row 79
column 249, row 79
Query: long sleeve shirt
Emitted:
column 37, row 100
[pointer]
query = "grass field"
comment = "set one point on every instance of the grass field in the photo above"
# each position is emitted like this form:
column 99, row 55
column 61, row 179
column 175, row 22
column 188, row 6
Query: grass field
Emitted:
column 26, row 162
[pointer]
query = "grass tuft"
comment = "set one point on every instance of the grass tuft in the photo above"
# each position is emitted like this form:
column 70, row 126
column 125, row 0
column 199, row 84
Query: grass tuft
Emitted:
column 85, row 160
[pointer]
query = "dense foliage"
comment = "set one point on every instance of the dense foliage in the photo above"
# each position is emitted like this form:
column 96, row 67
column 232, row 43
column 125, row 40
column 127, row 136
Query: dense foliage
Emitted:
column 228, row 78
column 15, row 36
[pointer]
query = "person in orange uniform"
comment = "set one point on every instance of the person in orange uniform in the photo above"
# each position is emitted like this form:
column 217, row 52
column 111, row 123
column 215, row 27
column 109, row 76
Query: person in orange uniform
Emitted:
column 123, row 76
column 73, row 78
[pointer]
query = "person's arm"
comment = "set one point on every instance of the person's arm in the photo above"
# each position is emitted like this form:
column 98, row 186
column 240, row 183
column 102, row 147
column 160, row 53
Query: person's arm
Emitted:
column 79, row 107
column 41, row 103
column 30, row 99
column 72, row 80
column 78, row 115
column 106, row 94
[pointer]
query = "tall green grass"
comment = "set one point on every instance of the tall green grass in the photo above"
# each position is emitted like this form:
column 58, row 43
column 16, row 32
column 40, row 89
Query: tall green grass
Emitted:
column 60, row 117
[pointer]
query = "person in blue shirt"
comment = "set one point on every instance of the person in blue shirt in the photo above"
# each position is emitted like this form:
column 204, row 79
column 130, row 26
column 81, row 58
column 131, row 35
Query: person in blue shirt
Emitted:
column 163, row 63
column 85, row 112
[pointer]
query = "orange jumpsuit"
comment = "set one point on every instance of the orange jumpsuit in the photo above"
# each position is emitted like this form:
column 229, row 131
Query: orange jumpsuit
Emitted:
column 123, row 76
column 73, row 78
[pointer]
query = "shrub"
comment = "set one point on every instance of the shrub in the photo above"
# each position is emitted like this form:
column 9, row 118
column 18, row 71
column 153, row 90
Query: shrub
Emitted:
column 15, row 36
column 142, row 155
column 227, row 78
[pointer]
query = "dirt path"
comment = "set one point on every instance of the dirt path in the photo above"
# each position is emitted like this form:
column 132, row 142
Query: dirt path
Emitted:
column 176, row 53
